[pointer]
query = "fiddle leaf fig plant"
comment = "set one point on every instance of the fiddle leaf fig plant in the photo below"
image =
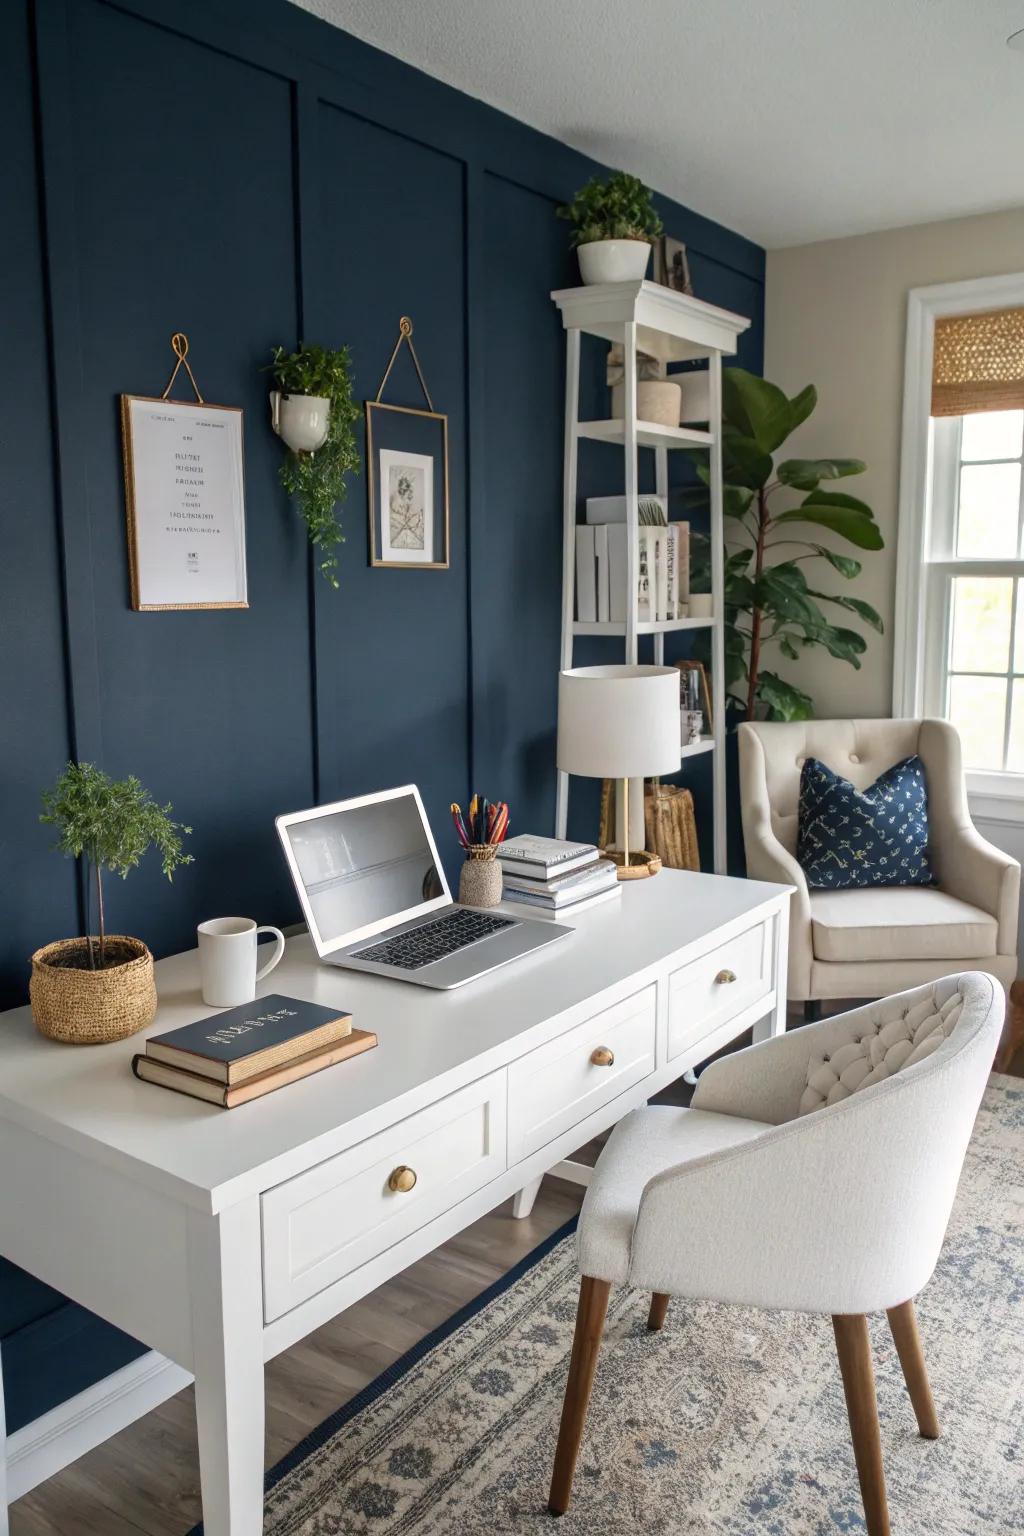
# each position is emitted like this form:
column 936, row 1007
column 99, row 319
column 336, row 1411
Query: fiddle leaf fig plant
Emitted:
column 773, row 603
column 617, row 209
column 317, row 479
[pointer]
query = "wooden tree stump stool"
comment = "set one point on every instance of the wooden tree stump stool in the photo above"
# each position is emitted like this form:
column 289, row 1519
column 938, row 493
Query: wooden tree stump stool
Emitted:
column 1013, row 1029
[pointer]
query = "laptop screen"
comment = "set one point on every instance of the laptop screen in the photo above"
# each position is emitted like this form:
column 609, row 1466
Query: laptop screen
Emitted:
column 363, row 864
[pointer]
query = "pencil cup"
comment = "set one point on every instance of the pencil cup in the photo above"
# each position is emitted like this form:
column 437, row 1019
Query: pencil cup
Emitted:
column 480, row 880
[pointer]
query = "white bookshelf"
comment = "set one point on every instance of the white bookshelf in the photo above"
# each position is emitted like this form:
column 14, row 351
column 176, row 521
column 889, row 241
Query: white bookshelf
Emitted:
column 673, row 327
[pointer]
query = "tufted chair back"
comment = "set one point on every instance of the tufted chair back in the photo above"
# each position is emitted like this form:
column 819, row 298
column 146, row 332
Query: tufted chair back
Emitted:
column 889, row 1037
column 842, row 1205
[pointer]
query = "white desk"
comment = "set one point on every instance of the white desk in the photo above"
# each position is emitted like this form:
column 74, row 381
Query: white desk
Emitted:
column 219, row 1238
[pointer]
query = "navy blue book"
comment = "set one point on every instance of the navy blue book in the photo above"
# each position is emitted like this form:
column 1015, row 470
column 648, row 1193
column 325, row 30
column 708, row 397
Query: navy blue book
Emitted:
column 233, row 1046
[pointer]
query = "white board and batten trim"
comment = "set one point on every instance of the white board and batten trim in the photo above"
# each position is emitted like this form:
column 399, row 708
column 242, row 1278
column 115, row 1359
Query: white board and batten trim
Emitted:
column 57, row 1438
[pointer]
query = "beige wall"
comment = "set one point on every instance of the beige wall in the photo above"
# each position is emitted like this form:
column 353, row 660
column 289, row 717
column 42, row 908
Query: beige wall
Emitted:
column 836, row 318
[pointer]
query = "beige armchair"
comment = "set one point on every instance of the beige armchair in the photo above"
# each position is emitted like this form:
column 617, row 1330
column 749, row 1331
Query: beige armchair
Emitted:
column 867, row 943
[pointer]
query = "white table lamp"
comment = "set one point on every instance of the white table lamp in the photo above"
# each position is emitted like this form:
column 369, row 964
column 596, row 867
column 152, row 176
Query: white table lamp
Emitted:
column 619, row 723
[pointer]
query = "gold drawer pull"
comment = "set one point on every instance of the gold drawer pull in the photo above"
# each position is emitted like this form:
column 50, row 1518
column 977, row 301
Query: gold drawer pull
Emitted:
column 402, row 1180
column 603, row 1057
column 723, row 977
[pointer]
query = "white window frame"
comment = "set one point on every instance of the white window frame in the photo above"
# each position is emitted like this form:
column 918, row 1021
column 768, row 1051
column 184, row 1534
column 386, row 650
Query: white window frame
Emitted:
column 921, row 620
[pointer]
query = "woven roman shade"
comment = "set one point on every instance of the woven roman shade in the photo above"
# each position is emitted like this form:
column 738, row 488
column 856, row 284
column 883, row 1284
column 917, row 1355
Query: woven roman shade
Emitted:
column 978, row 363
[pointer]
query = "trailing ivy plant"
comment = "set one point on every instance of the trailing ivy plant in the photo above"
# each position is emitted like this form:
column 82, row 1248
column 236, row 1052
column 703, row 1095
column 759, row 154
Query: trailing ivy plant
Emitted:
column 111, row 824
column 617, row 209
column 317, row 479
column 774, row 604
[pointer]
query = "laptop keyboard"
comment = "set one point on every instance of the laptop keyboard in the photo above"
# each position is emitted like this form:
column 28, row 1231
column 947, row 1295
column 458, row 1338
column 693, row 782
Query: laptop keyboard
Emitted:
column 434, row 941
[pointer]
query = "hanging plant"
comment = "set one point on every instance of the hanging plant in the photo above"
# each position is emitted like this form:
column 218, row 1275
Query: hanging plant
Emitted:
column 312, row 410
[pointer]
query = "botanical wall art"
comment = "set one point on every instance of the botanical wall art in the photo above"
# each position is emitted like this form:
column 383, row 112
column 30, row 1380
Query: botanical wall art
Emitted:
column 407, row 476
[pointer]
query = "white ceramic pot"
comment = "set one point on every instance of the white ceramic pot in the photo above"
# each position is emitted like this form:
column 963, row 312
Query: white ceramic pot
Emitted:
column 300, row 420
column 613, row 261
column 657, row 400
column 700, row 604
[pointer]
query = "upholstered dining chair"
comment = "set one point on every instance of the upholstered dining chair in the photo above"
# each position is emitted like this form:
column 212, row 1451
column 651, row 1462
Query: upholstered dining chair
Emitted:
column 868, row 942
column 814, row 1172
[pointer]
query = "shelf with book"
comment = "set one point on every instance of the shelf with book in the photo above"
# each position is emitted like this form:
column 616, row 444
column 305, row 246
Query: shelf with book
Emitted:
column 644, row 626
column 649, row 434
column 696, row 748
column 643, row 317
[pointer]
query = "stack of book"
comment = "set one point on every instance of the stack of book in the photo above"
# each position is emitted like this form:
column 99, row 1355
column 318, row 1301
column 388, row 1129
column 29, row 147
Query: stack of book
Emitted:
column 555, row 877
column 663, row 562
column 244, row 1053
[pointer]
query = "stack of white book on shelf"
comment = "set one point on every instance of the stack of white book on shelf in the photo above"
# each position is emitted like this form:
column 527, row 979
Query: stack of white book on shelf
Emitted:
column 553, row 877
column 663, row 562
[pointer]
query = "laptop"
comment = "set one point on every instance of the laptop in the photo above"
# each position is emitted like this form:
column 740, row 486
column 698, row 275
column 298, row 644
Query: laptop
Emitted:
column 375, row 897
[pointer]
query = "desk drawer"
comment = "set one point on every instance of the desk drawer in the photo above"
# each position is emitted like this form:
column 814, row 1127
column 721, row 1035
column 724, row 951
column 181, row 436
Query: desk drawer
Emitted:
column 328, row 1221
column 555, row 1087
column 708, row 992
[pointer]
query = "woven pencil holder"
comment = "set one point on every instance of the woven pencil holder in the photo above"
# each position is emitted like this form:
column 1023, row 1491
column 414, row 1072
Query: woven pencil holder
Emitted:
column 480, row 880
column 83, row 1007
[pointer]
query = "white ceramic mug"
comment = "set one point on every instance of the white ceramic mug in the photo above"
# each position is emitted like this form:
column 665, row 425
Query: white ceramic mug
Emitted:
column 227, row 960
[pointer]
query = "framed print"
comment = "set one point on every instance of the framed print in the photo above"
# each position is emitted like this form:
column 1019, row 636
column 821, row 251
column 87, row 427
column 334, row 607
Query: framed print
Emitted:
column 407, row 486
column 185, row 502
column 694, row 692
column 672, row 265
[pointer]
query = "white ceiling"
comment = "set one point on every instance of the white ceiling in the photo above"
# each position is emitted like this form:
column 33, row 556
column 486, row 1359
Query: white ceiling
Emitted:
column 788, row 120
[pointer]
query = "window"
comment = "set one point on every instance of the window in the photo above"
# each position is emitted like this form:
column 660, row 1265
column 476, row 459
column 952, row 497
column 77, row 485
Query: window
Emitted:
column 959, row 632
column 974, row 569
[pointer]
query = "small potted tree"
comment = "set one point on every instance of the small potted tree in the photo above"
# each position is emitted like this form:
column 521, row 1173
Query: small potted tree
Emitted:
column 615, row 223
column 94, row 989
column 313, row 412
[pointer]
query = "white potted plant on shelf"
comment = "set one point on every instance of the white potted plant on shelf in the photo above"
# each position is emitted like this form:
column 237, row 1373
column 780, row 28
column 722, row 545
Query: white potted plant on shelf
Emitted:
column 615, row 222
column 90, row 990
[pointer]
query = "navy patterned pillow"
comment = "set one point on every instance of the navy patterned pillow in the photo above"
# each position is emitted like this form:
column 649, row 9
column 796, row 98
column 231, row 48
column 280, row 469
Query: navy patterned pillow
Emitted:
column 861, row 837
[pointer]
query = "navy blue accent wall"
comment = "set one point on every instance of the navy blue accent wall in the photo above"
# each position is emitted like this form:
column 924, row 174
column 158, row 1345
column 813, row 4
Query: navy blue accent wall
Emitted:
column 245, row 173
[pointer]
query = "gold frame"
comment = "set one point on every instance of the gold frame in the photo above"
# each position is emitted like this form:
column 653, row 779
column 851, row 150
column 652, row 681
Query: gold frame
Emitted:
column 371, row 471
column 127, row 455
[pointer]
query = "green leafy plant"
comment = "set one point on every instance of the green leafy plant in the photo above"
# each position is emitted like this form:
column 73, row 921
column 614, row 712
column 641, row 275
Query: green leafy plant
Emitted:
column 317, row 479
column 771, row 602
column 111, row 824
column 617, row 209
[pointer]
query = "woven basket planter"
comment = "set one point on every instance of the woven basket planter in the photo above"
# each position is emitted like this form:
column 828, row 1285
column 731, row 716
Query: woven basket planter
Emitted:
column 83, row 1007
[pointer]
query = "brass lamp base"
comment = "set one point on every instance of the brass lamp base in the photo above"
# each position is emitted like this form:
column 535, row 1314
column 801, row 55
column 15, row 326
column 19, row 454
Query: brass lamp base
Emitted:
column 633, row 866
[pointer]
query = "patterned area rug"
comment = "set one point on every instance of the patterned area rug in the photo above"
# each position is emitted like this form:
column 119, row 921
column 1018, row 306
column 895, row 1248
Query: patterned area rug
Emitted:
column 730, row 1422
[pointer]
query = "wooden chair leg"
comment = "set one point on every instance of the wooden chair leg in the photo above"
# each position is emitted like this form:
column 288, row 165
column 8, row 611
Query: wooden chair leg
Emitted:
column 853, row 1346
column 586, row 1345
column 903, row 1322
column 659, row 1307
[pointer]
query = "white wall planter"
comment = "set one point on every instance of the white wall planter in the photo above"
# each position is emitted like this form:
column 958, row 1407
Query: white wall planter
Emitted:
column 301, row 421
column 613, row 261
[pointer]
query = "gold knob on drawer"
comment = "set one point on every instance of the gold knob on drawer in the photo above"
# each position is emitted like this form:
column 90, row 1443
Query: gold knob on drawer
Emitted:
column 402, row 1180
column 603, row 1057
column 725, row 976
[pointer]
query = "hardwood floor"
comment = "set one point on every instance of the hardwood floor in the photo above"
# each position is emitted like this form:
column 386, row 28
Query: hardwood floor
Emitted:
column 145, row 1481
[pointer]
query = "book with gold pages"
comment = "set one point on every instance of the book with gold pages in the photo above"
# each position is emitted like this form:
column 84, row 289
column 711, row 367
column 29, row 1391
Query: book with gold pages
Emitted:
column 229, row 1097
column 233, row 1046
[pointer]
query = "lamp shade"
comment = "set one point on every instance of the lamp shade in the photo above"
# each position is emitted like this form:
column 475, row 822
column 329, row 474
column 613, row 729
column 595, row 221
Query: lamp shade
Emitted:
column 618, row 722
